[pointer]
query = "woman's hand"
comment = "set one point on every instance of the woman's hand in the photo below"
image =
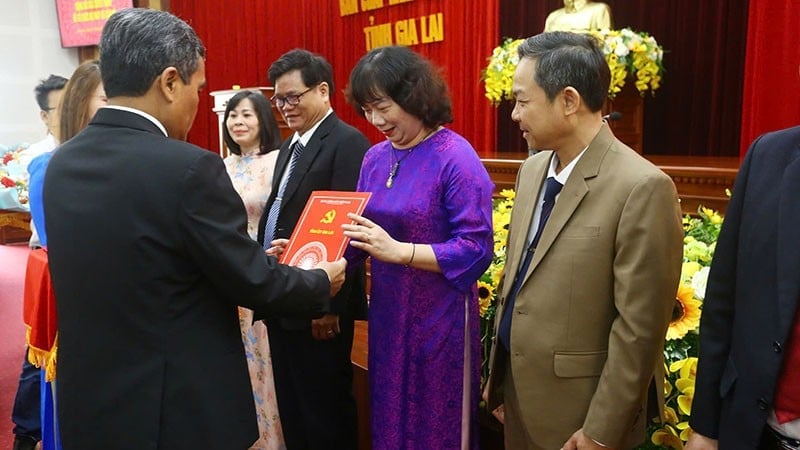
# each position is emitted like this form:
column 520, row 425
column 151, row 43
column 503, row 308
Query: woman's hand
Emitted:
column 368, row 236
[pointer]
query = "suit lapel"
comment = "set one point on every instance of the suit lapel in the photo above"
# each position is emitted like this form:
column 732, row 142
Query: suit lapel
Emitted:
column 280, row 166
column 788, row 256
column 573, row 193
column 531, row 179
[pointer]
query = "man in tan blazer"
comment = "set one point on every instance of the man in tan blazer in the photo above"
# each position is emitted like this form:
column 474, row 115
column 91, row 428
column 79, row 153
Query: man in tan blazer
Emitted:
column 580, row 342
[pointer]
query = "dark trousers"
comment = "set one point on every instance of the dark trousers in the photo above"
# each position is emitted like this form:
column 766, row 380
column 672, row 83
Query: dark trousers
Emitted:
column 314, row 387
column 27, row 404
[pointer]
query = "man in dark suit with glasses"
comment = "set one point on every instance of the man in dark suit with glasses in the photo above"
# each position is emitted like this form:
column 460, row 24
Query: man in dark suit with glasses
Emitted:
column 311, row 358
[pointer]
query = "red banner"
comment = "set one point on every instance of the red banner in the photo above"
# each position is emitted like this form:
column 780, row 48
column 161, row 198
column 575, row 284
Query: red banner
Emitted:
column 81, row 21
column 244, row 37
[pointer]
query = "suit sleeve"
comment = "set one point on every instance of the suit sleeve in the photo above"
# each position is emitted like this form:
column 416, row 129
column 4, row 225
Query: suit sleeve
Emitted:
column 646, row 271
column 718, row 310
column 214, row 225
column 37, row 169
column 468, row 199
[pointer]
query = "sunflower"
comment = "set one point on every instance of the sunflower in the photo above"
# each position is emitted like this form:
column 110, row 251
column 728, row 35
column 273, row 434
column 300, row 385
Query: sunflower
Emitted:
column 685, row 315
column 485, row 294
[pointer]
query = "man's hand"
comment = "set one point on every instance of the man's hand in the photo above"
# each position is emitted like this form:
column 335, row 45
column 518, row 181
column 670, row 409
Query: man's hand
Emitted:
column 499, row 413
column 326, row 327
column 335, row 272
column 699, row 442
column 277, row 247
column 580, row 441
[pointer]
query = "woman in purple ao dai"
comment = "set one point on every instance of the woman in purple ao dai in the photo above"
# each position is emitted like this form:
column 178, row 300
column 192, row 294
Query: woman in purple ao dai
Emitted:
column 428, row 229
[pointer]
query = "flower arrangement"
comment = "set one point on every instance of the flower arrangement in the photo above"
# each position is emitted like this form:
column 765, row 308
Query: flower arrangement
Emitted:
column 681, row 345
column 628, row 53
column 13, row 178
column 489, row 281
column 632, row 53
column 500, row 71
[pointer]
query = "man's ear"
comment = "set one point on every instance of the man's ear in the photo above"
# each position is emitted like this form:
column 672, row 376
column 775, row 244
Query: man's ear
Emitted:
column 324, row 89
column 571, row 99
column 43, row 116
column 167, row 83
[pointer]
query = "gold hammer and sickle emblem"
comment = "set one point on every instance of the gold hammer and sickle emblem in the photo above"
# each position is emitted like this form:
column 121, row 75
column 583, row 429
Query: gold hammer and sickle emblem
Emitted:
column 328, row 217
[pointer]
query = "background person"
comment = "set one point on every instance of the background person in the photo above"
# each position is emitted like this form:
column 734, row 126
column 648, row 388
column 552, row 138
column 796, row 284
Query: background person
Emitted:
column 48, row 94
column 81, row 98
column 311, row 358
column 26, row 411
column 593, row 261
column 747, row 391
column 83, row 95
column 149, row 257
column 428, row 229
column 252, row 137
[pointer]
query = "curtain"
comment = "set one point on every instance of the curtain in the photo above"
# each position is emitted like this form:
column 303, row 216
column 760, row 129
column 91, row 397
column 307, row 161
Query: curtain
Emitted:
column 771, row 78
column 697, row 110
column 243, row 37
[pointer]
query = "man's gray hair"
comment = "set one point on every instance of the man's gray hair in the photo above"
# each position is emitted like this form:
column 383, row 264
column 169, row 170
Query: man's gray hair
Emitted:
column 137, row 44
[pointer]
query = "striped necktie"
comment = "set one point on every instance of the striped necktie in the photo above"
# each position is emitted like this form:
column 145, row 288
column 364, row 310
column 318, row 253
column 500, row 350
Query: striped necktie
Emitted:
column 275, row 208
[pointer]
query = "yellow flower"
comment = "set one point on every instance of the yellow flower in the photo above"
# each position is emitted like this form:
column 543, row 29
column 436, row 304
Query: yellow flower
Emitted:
column 485, row 295
column 686, row 315
column 667, row 387
column 670, row 416
column 685, row 401
column 687, row 372
column 686, row 431
column 507, row 193
column 667, row 437
column 498, row 74
column 688, row 269
column 689, row 368
column 497, row 273
column 680, row 364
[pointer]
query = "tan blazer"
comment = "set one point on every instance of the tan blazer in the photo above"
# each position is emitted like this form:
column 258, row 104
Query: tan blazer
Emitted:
column 589, row 322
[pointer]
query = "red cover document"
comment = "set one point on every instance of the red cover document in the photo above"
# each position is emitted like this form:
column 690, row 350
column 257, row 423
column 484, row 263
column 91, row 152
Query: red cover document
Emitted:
column 318, row 235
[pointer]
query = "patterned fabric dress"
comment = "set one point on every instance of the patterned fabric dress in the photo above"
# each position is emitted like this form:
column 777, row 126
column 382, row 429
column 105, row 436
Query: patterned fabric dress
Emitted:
column 424, row 346
column 252, row 179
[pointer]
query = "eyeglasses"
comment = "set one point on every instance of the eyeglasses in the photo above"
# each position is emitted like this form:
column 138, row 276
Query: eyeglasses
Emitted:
column 291, row 99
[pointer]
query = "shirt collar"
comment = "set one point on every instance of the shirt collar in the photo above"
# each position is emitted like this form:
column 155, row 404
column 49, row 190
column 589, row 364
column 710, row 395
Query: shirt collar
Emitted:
column 307, row 135
column 563, row 176
column 141, row 113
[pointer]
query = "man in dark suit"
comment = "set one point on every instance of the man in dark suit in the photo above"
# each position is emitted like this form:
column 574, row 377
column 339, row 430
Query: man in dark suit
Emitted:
column 747, row 392
column 149, row 257
column 311, row 359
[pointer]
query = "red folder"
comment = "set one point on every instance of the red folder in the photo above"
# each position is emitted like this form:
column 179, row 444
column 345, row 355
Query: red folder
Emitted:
column 318, row 235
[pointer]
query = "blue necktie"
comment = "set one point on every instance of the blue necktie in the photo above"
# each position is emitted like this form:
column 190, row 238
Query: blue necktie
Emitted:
column 552, row 189
column 272, row 216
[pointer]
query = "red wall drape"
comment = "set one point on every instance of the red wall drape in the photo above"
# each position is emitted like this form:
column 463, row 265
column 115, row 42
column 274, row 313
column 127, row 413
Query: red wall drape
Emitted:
column 771, row 78
column 697, row 110
column 243, row 37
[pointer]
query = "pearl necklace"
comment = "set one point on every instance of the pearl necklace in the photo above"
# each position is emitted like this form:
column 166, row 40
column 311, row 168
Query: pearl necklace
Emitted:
column 394, row 167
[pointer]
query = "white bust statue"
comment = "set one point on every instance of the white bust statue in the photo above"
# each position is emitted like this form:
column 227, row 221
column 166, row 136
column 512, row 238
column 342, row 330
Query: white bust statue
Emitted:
column 579, row 16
